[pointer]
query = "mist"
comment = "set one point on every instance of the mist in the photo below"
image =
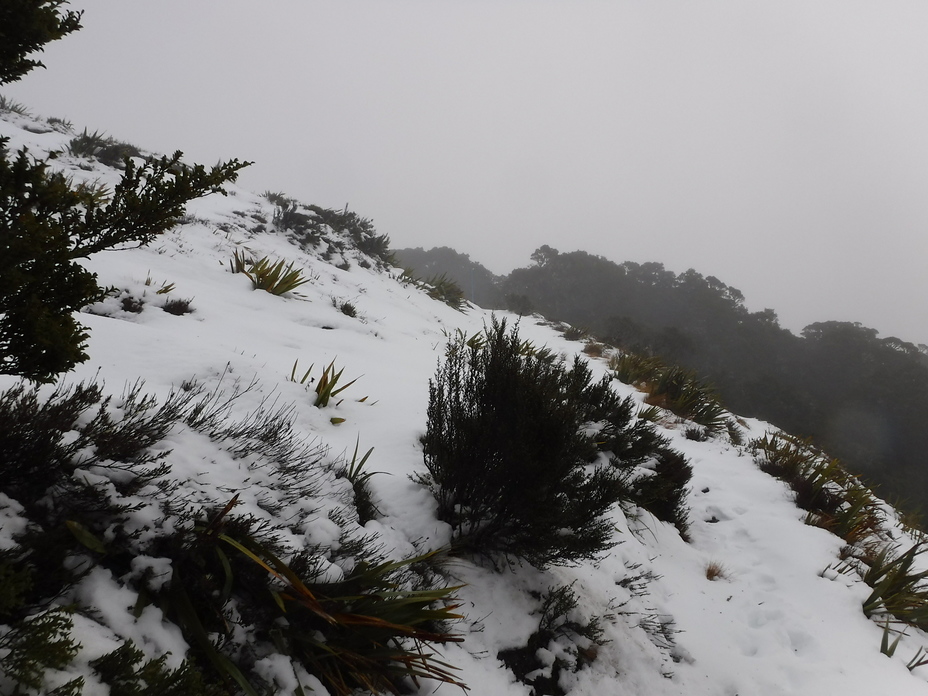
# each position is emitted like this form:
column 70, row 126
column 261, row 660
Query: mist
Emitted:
column 781, row 147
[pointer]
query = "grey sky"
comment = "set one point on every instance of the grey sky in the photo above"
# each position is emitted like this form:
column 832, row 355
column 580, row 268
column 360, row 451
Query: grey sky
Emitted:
column 781, row 146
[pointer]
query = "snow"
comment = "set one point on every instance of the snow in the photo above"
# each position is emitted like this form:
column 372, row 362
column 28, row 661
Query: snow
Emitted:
column 779, row 619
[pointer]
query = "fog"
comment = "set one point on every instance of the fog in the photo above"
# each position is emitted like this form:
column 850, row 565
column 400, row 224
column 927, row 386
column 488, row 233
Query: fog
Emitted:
column 780, row 146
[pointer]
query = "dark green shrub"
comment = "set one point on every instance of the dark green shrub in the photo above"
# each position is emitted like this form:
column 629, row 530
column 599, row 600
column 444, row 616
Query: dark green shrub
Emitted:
column 27, row 26
column 127, row 673
column 506, row 455
column 899, row 589
column 663, row 493
column 106, row 150
column 37, row 644
column 287, row 216
column 178, row 307
column 367, row 631
column 347, row 308
column 834, row 499
column 228, row 580
column 672, row 388
column 132, row 304
column 359, row 229
column 557, row 624
column 442, row 288
column 575, row 333
column 359, row 478
column 633, row 444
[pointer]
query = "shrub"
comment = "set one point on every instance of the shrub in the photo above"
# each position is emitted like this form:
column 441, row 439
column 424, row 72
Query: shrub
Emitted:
column 575, row 333
column 898, row 589
column 275, row 278
column 359, row 229
column 62, row 125
column 834, row 499
column 327, row 386
column 506, row 457
column 634, row 368
column 672, row 388
column 442, row 288
column 178, row 307
column 230, row 593
column 287, row 216
column 28, row 26
column 654, row 476
column 364, row 632
column 345, row 307
column 359, row 479
column 571, row 642
column 663, row 491
column 104, row 149
column 38, row 644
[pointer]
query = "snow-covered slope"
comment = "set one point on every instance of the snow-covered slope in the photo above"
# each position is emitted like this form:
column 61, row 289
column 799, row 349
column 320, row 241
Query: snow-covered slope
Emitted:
column 778, row 620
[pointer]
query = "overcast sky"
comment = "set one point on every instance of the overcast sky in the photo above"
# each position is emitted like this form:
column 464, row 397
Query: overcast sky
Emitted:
column 781, row 146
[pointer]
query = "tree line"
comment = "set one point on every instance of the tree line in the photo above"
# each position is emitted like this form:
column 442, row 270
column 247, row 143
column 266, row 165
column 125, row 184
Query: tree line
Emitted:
column 862, row 398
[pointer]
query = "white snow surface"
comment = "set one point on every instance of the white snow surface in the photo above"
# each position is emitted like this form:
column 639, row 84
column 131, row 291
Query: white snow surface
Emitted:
column 779, row 621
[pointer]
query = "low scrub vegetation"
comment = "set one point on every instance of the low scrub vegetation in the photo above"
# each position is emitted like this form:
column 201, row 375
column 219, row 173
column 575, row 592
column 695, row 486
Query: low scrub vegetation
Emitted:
column 439, row 287
column 835, row 500
column 327, row 386
column 508, row 453
column 672, row 388
column 87, row 469
column 102, row 148
column 564, row 641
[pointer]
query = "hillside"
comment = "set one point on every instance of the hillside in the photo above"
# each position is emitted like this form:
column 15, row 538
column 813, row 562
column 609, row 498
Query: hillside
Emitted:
column 120, row 541
column 862, row 397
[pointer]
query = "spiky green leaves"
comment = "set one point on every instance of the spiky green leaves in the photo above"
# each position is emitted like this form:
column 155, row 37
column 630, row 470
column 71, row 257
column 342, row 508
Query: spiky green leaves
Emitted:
column 275, row 278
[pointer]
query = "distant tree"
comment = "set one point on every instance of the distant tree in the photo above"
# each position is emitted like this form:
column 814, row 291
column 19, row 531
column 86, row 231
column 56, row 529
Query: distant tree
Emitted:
column 543, row 254
column 25, row 27
column 479, row 285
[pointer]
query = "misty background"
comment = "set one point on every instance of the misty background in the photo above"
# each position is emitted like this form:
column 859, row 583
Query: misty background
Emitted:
column 780, row 146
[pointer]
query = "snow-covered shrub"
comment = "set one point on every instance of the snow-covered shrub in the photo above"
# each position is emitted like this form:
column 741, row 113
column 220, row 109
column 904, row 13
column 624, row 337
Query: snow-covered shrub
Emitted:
column 655, row 476
column 102, row 148
column 564, row 641
column 88, row 478
column 507, row 454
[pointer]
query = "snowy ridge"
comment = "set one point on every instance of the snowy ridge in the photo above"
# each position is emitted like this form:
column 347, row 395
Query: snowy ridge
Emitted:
column 779, row 620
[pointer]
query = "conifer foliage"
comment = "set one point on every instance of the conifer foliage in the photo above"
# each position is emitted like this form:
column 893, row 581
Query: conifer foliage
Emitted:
column 507, row 457
column 25, row 27
column 47, row 224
